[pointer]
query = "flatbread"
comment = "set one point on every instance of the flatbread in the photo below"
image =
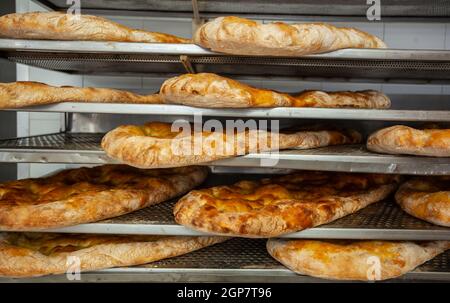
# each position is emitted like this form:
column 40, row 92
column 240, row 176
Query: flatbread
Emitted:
column 62, row 26
column 85, row 195
column 426, row 198
column 38, row 254
column 214, row 91
column 22, row 94
column 239, row 36
column 280, row 205
column 156, row 145
column 400, row 139
column 353, row 260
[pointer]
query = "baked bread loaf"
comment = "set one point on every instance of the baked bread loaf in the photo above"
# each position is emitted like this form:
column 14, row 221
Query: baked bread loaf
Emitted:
column 280, row 205
column 156, row 145
column 61, row 26
column 239, row 36
column 23, row 94
column 38, row 254
column 426, row 198
column 353, row 260
column 210, row 90
column 85, row 195
column 402, row 139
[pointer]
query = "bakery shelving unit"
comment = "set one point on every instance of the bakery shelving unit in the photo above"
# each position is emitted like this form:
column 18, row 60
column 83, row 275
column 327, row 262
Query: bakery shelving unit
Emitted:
column 241, row 259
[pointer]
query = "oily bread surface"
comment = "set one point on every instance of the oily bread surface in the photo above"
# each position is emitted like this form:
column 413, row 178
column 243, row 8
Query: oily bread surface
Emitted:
column 426, row 198
column 157, row 145
column 401, row 139
column 61, row 26
column 353, row 260
column 23, row 94
column 214, row 91
column 280, row 205
column 85, row 195
column 37, row 254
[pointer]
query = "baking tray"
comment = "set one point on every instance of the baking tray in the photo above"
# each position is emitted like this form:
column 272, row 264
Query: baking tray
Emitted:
column 92, row 57
column 84, row 148
column 236, row 260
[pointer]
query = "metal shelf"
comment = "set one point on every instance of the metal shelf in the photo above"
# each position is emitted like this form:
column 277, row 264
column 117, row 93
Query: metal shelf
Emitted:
column 236, row 260
column 280, row 112
column 383, row 220
column 84, row 148
column 142, row 58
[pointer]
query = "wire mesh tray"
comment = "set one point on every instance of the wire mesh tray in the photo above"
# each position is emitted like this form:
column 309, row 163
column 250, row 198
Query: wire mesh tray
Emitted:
column 236, row 260
column 82, row 57
column 382, row 220
column 85, row 148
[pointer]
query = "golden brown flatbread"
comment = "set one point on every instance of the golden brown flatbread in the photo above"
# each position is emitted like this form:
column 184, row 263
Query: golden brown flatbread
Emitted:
column 214, row 91
column 156, row 145
column 85, row 195
column 38, row 254
column 61, row 26
column 239, row 36
column 281, row 205
column 426, row 198
column 402, row 139
column 353, row 260
column 22, row 94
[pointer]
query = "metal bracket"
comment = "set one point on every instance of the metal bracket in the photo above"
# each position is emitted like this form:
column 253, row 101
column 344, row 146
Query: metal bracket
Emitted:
column 187, row 64
column 196, row 20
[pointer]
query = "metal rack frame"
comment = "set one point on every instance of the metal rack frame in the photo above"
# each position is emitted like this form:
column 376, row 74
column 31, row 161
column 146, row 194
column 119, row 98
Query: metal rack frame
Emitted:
column 382, row 220
column 85, row 148
column 249, row 260
column 137, row 58
column 236, row 260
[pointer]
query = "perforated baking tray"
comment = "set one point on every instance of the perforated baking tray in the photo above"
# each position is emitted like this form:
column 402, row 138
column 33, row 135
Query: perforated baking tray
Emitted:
column 85, row 148
column 143, row 58
column 236, row 260
column 280, row 112
column 383, row 220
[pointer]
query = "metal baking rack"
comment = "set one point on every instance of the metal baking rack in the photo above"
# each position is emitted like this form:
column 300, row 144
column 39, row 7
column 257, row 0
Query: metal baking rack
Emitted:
column 85, row 148
column 236, row 260
column 243, row 259
column 85, row 57
column 382, row 220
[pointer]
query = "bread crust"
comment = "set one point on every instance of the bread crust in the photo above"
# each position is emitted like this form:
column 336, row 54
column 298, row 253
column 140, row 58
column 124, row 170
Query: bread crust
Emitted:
column 61, row 26
column 426, row 198
column 400, row 139
column 154, row 145
column 84, row 195
column 353, row 260
column 22, row 94
column 272, row 207
column 239, row 36
column 22, row 255
column 214, row 91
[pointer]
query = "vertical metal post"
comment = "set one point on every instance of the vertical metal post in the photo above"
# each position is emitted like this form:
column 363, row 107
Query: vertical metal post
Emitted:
column 196, row 20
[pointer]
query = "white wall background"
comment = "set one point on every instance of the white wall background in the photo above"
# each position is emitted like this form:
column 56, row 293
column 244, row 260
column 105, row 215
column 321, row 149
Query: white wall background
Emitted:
column 396, row 35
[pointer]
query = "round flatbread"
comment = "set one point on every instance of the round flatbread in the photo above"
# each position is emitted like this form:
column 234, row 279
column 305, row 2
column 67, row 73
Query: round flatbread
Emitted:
column 38, row 254
column 272, row 207
column 426, row 198
column 402, row 139
column 89, row 194
column 239, row 36
column 156, row 145
column 353, row 260
column 214, row 91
